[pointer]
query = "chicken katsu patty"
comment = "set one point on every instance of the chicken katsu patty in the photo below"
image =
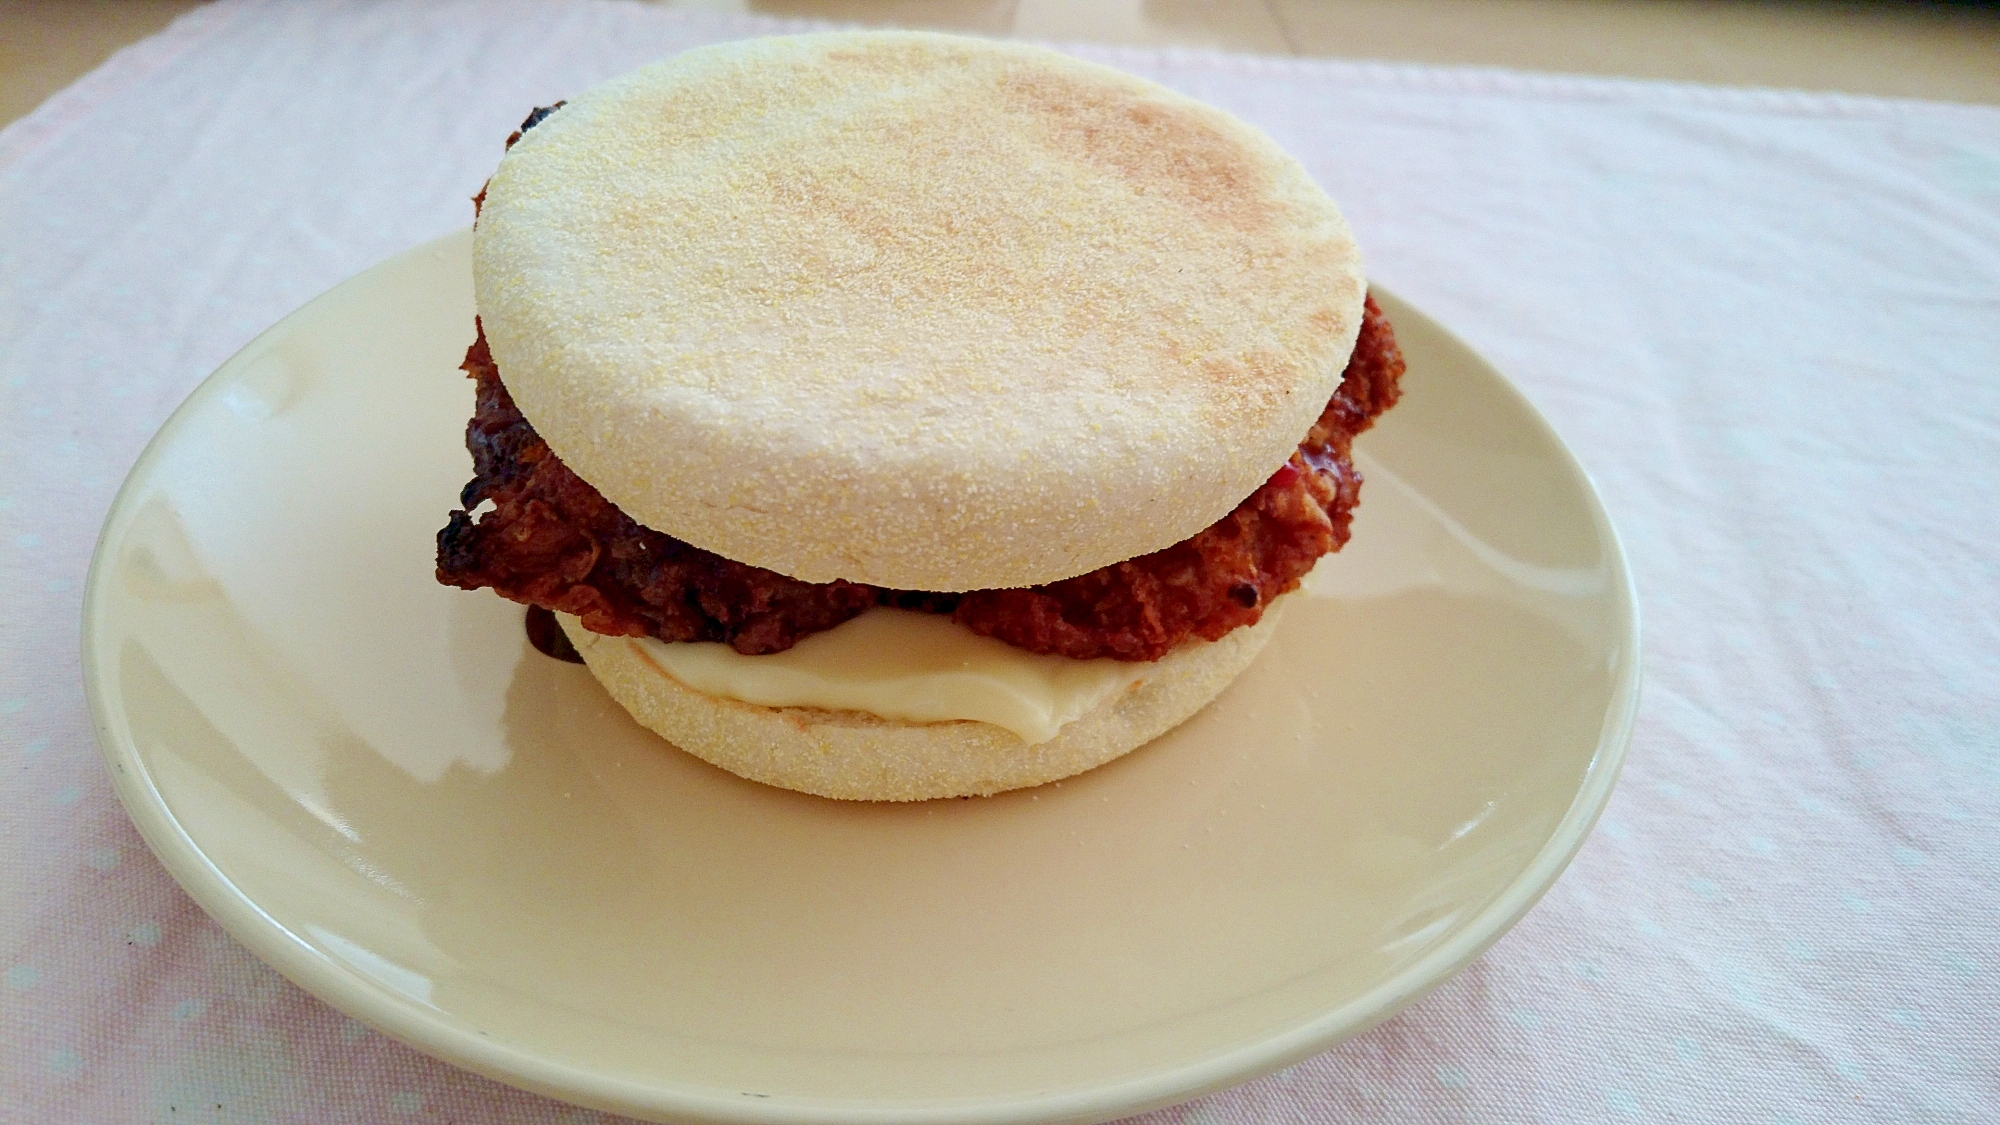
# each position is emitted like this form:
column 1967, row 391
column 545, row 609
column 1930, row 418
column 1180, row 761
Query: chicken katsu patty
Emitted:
column 550, row 539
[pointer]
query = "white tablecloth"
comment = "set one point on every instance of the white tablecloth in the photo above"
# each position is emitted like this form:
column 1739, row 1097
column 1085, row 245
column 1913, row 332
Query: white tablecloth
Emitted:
column 1769, row 324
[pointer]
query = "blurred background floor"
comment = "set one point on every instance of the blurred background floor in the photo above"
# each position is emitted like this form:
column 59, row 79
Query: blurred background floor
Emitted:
column 1945, row 51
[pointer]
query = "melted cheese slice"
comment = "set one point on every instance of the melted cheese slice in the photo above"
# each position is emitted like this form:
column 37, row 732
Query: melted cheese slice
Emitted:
column 899, row 664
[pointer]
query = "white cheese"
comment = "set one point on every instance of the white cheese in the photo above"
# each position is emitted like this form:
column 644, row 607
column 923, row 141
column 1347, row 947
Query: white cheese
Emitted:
column 899, row 664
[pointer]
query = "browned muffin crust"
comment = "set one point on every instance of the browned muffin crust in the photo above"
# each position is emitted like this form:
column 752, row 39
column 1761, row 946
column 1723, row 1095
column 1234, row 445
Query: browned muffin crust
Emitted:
column 551, row 540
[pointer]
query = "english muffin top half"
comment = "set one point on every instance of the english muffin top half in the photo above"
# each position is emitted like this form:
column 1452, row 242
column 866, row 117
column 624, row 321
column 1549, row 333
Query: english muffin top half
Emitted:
column 913, row 310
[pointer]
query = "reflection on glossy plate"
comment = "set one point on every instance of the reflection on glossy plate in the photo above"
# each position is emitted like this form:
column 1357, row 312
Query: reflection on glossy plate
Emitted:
column 375, row 784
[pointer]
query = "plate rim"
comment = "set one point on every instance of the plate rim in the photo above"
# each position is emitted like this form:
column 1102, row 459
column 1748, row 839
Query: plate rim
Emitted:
column 433, row 1032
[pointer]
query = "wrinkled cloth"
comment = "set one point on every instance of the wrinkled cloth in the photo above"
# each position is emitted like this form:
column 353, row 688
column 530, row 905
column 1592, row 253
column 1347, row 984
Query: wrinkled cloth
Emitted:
column 1768, row 323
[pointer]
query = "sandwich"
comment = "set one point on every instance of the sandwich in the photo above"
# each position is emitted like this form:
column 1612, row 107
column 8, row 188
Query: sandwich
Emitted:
column 895, row 416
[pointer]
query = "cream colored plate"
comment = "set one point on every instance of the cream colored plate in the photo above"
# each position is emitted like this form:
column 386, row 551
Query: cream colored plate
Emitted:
column 375, row 784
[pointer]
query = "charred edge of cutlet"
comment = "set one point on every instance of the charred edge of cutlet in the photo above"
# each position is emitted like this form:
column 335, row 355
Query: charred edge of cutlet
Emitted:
column 540, row 115
column 552, row 540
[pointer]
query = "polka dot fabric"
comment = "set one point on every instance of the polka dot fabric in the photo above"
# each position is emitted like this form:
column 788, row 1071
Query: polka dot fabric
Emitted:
column 1766, row 321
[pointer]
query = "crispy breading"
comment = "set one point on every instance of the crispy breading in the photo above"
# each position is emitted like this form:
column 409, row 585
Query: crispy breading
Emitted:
column 552, row 540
